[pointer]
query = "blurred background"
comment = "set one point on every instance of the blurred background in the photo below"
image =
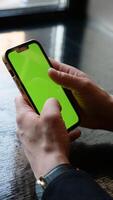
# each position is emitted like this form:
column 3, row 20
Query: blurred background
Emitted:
column 77, row 32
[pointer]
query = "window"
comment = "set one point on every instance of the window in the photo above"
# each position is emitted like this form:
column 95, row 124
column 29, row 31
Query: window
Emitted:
column 17, row 7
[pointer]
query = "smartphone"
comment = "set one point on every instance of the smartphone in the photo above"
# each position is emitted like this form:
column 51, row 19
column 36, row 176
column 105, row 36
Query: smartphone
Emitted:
column 28, row 64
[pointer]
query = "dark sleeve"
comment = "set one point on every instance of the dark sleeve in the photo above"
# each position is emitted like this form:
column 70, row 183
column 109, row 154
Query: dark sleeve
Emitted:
column 74, row 185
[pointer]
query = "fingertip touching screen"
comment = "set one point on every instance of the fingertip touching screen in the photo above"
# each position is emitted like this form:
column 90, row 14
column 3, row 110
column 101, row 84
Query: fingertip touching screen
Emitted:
column 31, row 66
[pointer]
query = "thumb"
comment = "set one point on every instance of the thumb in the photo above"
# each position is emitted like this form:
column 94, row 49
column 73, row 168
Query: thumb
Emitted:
column 51, row 108
column 67, row 80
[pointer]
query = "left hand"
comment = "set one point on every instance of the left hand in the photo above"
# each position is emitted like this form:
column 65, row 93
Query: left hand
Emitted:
column 44, row 138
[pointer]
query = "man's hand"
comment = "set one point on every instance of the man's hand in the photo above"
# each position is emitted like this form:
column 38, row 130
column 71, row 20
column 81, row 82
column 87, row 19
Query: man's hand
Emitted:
column 95, row 106
column 44, row 138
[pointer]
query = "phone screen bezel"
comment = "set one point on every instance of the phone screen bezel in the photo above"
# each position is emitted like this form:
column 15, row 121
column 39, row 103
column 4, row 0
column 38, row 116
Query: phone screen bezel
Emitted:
column 67, row 92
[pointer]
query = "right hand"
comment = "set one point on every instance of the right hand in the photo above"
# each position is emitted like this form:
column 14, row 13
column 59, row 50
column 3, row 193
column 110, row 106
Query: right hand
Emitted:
column 95, row 106
column 44, row 137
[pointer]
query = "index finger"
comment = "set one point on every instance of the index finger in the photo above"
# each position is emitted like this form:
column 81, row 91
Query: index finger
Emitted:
column 25, row 115
column 64, row 67
column 22, row 107
column 21, row 104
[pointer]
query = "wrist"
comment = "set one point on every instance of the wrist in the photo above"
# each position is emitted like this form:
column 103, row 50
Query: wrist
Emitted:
column 43, row 182
column 41, row 166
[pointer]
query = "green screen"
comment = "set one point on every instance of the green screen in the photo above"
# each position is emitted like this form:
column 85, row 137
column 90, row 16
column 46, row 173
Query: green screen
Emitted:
column 32, row 68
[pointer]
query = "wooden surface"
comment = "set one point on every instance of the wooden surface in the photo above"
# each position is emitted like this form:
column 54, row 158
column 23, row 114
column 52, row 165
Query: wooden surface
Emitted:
column 77, row 43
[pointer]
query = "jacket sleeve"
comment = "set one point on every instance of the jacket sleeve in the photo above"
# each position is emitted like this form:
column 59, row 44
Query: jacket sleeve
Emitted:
column 74, row 185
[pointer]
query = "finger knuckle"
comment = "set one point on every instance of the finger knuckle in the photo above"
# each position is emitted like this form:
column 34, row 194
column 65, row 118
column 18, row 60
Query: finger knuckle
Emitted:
column 20, row 117
column 86, row 83
column 61, row 75
column 19, row 133
column 53, row 118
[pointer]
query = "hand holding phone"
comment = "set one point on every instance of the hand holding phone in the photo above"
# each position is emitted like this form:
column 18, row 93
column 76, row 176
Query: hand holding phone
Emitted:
column 29, row 65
